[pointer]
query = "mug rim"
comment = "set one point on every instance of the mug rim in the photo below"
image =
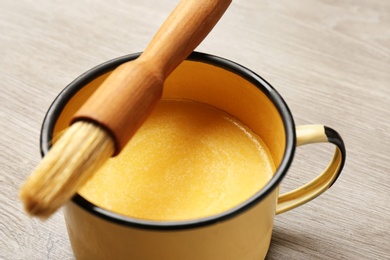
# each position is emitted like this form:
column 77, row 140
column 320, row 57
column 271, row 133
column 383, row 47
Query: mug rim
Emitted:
column 71, row 89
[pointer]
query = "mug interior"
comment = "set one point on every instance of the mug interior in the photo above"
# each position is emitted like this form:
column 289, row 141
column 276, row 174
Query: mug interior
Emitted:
column 206, row 79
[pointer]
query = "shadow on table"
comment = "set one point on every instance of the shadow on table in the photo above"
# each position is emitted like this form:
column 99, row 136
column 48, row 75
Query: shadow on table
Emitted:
column 291, row 244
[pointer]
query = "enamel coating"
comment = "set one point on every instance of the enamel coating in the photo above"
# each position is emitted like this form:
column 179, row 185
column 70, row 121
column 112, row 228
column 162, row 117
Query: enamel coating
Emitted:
column 244, row 232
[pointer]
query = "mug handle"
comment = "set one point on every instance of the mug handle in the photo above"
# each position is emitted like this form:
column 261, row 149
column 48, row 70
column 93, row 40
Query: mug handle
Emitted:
column 308, row 134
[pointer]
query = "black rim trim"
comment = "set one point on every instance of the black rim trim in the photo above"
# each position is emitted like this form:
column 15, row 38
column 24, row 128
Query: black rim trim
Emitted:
column 335, row 138
column 59, row 103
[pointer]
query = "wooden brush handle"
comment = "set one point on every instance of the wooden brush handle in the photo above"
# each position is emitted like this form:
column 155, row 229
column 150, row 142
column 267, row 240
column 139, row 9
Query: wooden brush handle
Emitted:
column 126, row 98
column 183, row 31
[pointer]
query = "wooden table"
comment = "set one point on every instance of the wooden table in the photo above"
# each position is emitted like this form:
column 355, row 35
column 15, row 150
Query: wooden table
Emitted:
column 329, row 59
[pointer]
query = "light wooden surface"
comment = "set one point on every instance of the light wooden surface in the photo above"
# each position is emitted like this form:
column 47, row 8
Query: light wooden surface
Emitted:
column 329, row 59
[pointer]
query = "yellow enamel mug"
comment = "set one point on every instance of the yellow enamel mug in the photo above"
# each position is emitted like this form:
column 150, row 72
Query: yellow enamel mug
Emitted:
column 243, row 232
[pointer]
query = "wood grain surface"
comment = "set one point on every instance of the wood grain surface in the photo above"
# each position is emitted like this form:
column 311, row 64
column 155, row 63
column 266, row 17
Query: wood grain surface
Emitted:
column 329, row 59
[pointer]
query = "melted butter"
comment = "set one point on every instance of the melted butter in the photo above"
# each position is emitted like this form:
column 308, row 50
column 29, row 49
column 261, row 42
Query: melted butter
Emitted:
column 188, row 160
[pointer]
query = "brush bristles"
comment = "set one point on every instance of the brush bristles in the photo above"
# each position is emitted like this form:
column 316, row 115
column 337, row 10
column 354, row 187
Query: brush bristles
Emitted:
column 71, row 161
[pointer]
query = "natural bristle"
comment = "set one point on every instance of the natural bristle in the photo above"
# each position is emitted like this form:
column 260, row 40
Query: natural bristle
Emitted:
column 78, row 153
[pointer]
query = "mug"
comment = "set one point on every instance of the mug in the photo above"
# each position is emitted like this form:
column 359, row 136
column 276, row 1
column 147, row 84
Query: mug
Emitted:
column 244, row 231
